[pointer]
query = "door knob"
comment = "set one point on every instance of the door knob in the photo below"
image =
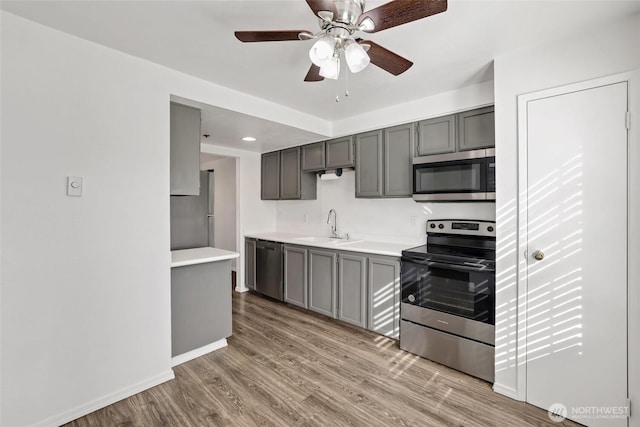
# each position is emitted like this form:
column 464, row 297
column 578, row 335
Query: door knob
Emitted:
column 538, row 255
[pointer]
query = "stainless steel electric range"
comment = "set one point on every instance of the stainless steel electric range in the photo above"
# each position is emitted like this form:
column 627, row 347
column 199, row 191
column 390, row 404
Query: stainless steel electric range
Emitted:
column 447, row 308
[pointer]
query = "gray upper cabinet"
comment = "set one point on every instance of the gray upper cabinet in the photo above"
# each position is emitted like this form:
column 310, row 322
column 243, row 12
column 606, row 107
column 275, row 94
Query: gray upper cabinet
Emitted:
column 436, row 136
column 270, row 176
column 290, row 173
column 384, row 295
column 476, row 129
column 295, row 275
column 250, row 263
column 313, row 156
column 322, row 282
column 184, row 150
column 384, row 162
column 369, row 164
column 283, row 179
column 339, row 153
column 352, row 289
column 398, row 165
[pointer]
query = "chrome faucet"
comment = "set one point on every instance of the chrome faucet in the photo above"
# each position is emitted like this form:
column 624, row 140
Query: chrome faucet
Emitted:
column 334, row 227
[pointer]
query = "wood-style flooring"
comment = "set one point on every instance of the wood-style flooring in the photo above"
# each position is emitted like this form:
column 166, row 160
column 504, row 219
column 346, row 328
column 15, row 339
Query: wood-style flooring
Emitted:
column 288, row 367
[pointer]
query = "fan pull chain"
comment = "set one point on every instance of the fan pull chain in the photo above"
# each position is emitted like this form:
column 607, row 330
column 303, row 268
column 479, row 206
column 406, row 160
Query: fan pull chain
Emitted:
column 338, row 83
column 346, row 82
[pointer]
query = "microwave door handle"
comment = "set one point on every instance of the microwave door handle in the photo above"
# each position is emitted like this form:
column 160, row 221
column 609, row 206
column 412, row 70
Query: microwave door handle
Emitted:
column 457, row 267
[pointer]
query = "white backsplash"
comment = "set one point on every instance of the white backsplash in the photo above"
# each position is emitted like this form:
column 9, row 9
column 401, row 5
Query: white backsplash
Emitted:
column 391, row 220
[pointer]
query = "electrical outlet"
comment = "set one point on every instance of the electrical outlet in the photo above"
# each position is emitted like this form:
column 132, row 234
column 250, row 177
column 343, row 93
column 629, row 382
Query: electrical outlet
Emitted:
column 412, row 221
column 306, row 217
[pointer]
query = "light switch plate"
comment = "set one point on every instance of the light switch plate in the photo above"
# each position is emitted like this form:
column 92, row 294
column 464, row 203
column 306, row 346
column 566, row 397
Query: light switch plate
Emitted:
column 74, row 186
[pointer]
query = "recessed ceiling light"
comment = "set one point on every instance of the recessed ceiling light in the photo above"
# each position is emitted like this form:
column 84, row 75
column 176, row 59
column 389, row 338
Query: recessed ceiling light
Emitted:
column 248, row 139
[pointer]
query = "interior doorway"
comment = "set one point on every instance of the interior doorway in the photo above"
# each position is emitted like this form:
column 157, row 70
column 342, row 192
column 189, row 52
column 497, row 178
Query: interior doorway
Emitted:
column 574, row 184
column 222, row 201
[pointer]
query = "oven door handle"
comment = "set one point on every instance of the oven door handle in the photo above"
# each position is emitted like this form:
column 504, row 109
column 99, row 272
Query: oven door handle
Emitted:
column 457, row 267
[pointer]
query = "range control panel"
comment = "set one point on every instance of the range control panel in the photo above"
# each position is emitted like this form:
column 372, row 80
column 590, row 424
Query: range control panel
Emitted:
column 458, row 226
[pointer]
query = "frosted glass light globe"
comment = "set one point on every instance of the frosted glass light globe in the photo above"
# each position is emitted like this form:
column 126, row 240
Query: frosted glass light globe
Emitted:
column 321, row 51
column 357, row 58
column 331, row 68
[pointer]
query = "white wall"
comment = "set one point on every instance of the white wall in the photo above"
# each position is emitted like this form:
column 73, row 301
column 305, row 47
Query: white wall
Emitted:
column 224, row 207
column 466, row 98
column 85, row 282
column 398, row 220
column 600, row 52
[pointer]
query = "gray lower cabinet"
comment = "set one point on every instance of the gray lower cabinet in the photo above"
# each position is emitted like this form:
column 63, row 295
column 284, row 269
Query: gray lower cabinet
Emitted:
column 295, row 275
column 384, row 295
column 270, row 176
column 358, row 288
column 313, row 157
column 369, row 164
column 352, row 288
column 339, row 153
column 322, row 282
column 184, row 177
column 476, row 129
column 398, row 165
column 250, row 263
column 200, row 305
column 436, row 136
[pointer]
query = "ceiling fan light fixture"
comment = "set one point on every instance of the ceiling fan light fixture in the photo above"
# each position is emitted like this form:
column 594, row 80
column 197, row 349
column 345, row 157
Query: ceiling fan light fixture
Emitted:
column 356, row 57
column 322, row 51
column 331, row 69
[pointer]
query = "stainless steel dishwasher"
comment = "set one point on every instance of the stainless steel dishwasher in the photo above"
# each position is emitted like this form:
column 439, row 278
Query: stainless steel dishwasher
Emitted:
column 269, row 269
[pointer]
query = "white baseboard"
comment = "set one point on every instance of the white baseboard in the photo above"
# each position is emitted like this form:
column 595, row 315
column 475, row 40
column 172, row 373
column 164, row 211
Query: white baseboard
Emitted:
column 241, row 289
column 190, row 355
column 109, row 399
column 506, row 391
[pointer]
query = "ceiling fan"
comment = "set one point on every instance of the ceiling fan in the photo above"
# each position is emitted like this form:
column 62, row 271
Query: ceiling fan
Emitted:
column 339, row 21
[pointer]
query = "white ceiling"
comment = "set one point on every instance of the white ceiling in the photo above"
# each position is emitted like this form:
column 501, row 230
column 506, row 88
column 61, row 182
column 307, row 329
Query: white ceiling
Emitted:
column 227, row 128
column 449, row 50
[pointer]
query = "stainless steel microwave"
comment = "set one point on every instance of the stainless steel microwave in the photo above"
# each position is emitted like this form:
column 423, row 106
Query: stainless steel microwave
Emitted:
column 463, row 176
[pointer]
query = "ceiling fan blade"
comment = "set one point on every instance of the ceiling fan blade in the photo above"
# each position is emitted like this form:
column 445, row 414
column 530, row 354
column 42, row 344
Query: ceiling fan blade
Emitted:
column 385, row 59
column 323, row 5
column 400, row 12
column 314, row 74
column 269, row 36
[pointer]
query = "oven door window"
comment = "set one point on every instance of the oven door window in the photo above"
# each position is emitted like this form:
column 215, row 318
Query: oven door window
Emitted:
column 468, row 294
column 464, row 176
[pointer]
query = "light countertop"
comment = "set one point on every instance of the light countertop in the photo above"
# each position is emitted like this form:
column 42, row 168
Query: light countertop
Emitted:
column 184, row 257
column 352, row 245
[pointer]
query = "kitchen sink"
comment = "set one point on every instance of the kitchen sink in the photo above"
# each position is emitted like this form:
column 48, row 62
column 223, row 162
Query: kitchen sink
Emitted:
column 325, row 240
